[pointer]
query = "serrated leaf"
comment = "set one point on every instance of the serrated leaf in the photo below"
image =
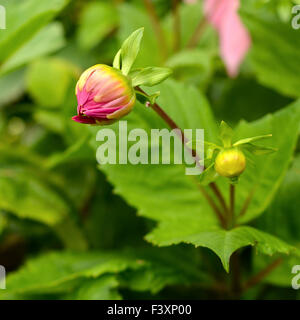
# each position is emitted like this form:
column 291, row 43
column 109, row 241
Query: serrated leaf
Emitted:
column 130, row 49
column 150, row 76
column 179, row 207
column 58, row 271
column 262, row 180
column 224, row 243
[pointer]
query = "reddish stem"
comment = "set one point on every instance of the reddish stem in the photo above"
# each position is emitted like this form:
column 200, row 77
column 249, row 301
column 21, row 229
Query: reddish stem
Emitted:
column 184, row 140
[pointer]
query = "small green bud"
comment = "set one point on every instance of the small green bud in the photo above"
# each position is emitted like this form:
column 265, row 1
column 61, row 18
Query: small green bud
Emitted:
column 230, row 163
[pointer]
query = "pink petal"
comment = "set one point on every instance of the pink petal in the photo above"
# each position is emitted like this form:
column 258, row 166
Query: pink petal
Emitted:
column 235, row 40
column 83, row 119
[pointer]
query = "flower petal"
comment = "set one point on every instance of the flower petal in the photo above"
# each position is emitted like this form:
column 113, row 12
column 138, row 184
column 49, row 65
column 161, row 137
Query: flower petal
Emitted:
column 235, row 40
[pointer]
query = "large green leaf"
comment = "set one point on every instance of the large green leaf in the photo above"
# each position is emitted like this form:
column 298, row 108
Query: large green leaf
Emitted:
column 27, row 197
column 24, row 19
column 275, row 52
column 164, row 193
column 264, row 176
column 46, row 41
column 98, row 274
column 57, row 271
column 29, row 192
column 176, row 195
column 282, row 216
column 102, row 288
column 224, row 243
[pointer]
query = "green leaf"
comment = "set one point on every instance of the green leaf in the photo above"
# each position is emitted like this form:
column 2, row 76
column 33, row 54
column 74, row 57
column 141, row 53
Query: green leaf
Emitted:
column 258, row 150
column 276, row 46
column 103, row 288
column 181, row 211
column 149, row 76
column 13, row 84
column 59, row 271
column 28, row 192
column 225, row 243
column 226, row 134
column 208, row 175
column 262, row 180
column 132, row 18
column 282, row 216
column 191, row 58
column 252, row 139
column 97, row 20
column 46, row 41
column 117, row 60
column 48, row 81
column 130, row 49
column 99, row 274
column 24, row 19
column 26, row 196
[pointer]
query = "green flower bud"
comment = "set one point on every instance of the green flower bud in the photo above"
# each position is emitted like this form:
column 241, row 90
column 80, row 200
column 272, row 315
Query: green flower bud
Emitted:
column 230, row 163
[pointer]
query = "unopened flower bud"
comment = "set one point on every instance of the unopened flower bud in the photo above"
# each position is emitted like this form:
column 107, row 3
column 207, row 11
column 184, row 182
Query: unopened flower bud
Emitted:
column 230, row 163
column 104, row 95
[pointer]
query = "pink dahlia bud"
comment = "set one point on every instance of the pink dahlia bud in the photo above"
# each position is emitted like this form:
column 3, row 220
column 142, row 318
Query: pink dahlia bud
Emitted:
column 104, row 95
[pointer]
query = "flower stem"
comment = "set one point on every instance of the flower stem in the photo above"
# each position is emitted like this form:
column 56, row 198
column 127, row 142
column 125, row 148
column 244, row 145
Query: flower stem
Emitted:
column 219, row 196
column 262, row 274
column 197, row 34
column 159, row 33
column 246, row 203
column 184, row 140
column 232, row 200
column 176, row 24
column 236, row 275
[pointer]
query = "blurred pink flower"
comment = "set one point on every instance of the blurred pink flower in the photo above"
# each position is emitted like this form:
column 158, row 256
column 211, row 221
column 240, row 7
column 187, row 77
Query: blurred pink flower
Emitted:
column 235, row 40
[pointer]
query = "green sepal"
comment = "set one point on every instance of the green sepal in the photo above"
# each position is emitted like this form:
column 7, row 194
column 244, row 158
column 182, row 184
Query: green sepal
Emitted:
column 129, row 50
column 210, row 147
column 117, row 60
column 226, row 134
column 209, row 175
column 149, row 76
column 144, row 98
column 257, row 149
column 252, row 139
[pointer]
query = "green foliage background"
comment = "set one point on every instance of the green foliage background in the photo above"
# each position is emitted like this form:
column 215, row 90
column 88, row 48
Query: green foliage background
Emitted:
column 71, row 229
